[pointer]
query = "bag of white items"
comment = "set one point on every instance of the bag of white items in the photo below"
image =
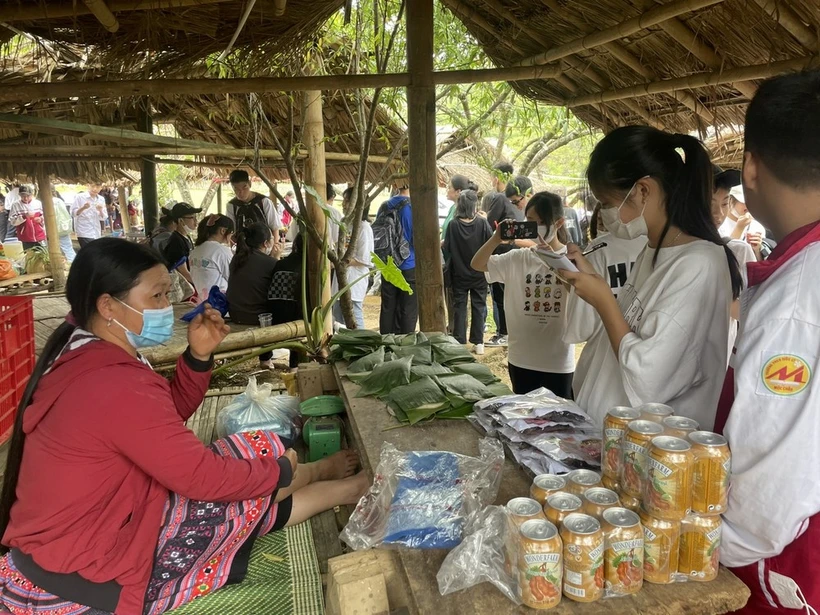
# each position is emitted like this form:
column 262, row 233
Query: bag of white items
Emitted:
column 258, row 410
column 421, row 499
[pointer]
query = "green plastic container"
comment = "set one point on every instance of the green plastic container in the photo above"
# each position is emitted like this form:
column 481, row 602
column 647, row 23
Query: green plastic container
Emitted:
column 322, row 405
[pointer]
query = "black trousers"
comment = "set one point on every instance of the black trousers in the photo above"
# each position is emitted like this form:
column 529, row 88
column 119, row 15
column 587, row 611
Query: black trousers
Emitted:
column 500, row 315
column 478, row 313
column 526, row 380
column 28, row 245
column 400, row 310
column 84, row 241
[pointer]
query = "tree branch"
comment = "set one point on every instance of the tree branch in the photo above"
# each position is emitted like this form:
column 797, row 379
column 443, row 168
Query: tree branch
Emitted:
column 549, row 148
column 461, row 135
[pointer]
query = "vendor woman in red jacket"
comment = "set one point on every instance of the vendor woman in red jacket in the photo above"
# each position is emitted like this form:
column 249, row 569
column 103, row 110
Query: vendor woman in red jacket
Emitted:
column 110, row 504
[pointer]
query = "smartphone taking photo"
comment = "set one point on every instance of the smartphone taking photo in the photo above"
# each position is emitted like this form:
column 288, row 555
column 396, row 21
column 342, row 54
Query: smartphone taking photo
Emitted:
column 510, row 230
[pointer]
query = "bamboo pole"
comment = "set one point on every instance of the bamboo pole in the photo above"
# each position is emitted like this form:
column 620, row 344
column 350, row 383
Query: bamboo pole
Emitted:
column 790, row 21
column 279, row 7
column 631, row 26
column 421, row 120
column 697, row 80
column 122, row 203
column 219, row 199
column 55, row 254
column 148, row 177
column 103, row 14
column 71, row 8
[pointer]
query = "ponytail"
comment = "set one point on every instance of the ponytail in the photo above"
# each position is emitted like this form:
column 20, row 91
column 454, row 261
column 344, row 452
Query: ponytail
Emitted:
column 248, row 241
column 550, row 209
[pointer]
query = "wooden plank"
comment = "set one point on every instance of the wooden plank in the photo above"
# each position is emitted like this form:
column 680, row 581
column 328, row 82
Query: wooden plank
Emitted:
column 23, row 279
column 370, row 420
column 326, row 538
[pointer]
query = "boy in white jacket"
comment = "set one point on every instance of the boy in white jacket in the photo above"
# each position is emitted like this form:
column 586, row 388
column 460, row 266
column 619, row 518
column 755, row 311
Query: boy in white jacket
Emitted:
column 771, row 532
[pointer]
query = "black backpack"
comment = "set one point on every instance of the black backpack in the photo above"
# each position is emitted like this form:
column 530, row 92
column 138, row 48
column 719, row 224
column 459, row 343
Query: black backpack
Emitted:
column 388, row 234
column 249, row 213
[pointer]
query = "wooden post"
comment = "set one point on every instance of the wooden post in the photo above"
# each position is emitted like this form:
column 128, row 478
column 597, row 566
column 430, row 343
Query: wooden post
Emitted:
column 315, row 177
column 55, row 254
column 150, row 205
column 122, row 200
column 421, row 120
column 219, row 199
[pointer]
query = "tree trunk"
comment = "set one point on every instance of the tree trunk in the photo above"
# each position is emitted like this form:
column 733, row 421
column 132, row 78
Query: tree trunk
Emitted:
column 182, row 186
column 208, row 199
column 549, row 148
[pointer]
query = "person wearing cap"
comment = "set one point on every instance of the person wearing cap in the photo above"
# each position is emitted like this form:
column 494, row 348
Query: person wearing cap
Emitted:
column 88, row 212
column 27, row 217
column 740, row 224
column 179, row 244
column 249, row 206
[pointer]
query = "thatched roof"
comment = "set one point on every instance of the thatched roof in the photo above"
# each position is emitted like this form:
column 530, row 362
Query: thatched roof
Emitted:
column 701, row 36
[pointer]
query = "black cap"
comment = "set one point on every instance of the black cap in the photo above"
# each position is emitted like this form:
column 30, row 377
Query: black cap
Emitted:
column 238, row 175
column 180, row 210
column 24, row 190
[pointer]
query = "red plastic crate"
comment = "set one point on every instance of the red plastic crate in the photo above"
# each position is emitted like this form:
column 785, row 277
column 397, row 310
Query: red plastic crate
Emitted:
column 16, row 356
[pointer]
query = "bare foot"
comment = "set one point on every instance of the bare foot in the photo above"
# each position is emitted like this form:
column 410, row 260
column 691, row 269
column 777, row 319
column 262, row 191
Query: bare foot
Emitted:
column 337, row 466
column 359, row 485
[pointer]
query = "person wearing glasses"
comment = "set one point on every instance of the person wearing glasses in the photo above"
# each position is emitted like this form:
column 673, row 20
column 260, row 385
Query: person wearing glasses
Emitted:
column 179, row 246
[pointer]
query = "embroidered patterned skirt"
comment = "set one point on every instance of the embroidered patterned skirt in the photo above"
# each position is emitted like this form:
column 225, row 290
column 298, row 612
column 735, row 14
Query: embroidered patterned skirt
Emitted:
column 202, row 546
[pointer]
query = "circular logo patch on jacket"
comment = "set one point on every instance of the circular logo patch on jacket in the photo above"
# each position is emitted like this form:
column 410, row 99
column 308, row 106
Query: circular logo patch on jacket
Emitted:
column 786, row 374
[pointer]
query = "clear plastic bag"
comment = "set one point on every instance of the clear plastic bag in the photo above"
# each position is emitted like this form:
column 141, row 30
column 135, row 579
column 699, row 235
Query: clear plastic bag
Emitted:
column 421, row 499
column 489, row 553
column 258, row 409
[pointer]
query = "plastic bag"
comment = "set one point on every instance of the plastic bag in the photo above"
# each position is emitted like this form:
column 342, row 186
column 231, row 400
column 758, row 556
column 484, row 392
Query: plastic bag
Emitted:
column 421, row 499
column 489, row 553
column 216, row 299
column 257, row 409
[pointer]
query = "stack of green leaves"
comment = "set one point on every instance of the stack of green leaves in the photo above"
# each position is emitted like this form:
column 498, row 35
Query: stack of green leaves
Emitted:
column 386, row 377
column 351, row 344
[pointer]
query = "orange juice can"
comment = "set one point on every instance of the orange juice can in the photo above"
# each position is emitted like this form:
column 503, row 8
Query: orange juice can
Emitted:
column 630, row 501
column 560, row 505
column 597, row 500
column 615, row 424
column 624, row 551
column 667, row 492
column 633, row 465
column 655, row 412
column 579, row 481
column 700, row 547
column 545, row 485
column 583, row 558
column 611, row 483
column 710, row 473
column 661, row 542
column 540, row 569
column 524, row 509
column 679, row 426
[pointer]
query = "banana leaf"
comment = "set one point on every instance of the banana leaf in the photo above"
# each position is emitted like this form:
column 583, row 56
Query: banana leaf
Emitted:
column 358, row 338
column 357, row 377
column 396, row 411
column 479, row 371
column 367, row 362
column 391, row 273
column 499, row 389
column 458, row 412
column 449, row 354
column 420, row 371
column 436, row 339
column 336, row 354
column 419, row 400
column 460, row 388
column 421, row 353
column 389, row 339
column 386, row 377
column 353, row 353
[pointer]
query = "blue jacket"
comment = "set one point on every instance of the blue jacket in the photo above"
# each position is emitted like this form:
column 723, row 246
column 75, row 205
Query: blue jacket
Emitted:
column 406, row 217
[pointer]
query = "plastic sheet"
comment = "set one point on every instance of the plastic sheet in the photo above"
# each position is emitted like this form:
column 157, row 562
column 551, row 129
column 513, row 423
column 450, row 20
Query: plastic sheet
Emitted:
column 421, row 499
column 258, row 409
column 488, row 554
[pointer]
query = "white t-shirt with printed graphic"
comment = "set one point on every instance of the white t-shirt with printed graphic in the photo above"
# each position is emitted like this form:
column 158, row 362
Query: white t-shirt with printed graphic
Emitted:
column 535, row 305
column 678, row 311
column 210, row 265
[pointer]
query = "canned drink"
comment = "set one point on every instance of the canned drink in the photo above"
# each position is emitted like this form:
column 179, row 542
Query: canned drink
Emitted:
column 545, row 485
column 524, row 509
column 679, row 426
column 561, row 504
column 710, row 472
column 633, row 465
column 583, row 558
column 655, row 412
column 630, row 501
column 579, row 481
column 540, row 569
column 667, row 490
column 597, row 500
column 624, row 551
column 611, row 483
column 661, row 543
column 615, row 424
column 700, row 547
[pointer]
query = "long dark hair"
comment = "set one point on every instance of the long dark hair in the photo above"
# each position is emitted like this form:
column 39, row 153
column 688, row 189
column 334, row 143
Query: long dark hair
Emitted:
column 106, row 266
column 467, row 204
column 550, row 208
column 210, row 225
column 631, row 153
column 593, row 221
column 461, row 182
column 248, row 241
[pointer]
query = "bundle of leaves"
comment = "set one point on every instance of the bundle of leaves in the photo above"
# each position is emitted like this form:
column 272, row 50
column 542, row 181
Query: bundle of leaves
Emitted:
column 386, row 377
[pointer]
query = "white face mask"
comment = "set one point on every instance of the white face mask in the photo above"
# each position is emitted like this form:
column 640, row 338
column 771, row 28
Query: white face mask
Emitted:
column 624, row 230
column 545, row 234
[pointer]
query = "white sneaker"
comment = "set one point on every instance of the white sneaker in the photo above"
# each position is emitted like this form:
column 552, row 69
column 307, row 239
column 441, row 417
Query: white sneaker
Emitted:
column 478, row 349
column 281, row 354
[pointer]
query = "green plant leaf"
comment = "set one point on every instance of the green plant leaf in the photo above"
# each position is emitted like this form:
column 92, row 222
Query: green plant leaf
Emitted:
column 391, row 273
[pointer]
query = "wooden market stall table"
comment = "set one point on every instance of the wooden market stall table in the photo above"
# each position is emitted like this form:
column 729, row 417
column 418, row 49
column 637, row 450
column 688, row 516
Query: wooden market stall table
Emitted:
column 369, row 420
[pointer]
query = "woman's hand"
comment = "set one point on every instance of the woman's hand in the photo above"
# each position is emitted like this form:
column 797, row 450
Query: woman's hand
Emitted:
column 588, row 285
column 277, row 249
column 575, row 254
column 206, row 332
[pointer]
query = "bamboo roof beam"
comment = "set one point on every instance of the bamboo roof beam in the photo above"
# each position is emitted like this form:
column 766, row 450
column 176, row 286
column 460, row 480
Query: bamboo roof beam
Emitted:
column 103, row 14
column 650, row 18
column 790, row 22
column 697, row 80
column 279, row 7
column 473, row 16
column 71, row 8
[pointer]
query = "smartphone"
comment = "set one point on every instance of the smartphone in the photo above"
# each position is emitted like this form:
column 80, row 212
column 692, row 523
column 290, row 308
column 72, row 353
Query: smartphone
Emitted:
column 518, row 230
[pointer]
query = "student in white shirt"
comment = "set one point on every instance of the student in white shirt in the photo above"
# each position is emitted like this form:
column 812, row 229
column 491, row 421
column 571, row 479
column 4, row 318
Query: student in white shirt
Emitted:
column 88, row 212
column 664, row 338
column 360, row 264
column 248, row 206
column 739, row 223
column 771, row 528
column 534, row 302
column 210, row 260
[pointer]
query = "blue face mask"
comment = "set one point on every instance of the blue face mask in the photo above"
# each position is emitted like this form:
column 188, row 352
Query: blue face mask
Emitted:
column 157, row 327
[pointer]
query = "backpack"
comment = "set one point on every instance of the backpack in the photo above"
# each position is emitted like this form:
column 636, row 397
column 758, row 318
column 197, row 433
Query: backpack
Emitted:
column 248, row 213
column 388, row 234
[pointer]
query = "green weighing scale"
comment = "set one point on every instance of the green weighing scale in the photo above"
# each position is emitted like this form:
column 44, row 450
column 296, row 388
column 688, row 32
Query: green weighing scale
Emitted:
column 322, row 432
